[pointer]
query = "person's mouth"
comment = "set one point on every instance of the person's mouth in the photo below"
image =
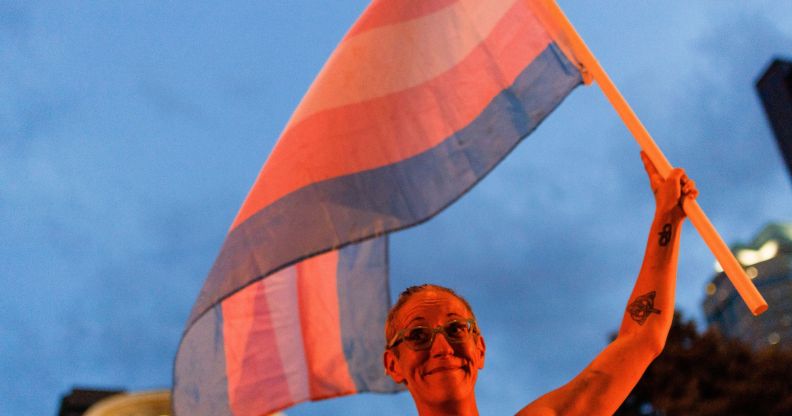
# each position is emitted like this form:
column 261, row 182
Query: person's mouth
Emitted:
column 445, row 369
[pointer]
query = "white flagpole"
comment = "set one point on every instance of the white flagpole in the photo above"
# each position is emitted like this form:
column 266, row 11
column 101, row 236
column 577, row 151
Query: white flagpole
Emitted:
column 734, row 271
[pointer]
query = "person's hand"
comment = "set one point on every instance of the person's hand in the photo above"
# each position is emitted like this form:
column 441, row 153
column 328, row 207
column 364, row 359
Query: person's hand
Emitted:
column 671, row 192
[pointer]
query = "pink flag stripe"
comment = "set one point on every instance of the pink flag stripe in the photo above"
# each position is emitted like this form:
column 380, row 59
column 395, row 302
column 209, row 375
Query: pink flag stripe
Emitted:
column 321, row 329
column 269, row 363
column 255, row 373
column 381, row 13
column 372, row 65
column 338, row 142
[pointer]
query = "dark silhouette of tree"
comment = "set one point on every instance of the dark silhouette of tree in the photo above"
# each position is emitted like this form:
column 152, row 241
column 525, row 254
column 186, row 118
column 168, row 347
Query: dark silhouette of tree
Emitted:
column 706, row 374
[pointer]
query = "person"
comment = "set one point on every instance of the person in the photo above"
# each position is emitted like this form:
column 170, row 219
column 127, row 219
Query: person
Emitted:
column 434, row 345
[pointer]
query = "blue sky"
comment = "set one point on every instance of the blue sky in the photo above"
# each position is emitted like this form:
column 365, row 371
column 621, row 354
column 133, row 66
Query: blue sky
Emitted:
column 130, row 133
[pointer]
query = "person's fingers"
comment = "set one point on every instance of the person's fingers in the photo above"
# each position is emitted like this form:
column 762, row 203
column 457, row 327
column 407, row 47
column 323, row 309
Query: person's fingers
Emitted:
column 689, row 189
column 674, row 184
column 677, row 179
column 681, row 184
column 676, row 176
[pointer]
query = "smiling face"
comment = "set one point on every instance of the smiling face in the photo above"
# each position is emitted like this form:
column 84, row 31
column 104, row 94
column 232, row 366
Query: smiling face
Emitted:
column 444, row 374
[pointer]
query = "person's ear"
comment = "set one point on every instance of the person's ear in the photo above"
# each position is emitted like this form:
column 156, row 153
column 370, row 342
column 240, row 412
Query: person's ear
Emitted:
column 391, row 361
column 481, row 348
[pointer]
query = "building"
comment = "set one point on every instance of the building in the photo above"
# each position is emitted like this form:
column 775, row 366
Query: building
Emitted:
column 768, row 261
column 92, row 402
column 79, row 400
column 775, row 90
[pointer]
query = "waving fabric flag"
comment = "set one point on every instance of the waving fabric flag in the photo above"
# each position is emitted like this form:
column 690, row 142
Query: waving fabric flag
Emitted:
column 419, row 101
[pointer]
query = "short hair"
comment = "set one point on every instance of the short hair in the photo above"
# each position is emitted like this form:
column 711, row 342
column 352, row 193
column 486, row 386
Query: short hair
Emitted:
column 390, row 331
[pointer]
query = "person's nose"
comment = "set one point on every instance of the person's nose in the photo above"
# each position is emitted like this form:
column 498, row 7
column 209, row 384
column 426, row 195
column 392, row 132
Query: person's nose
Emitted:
column 441, row 346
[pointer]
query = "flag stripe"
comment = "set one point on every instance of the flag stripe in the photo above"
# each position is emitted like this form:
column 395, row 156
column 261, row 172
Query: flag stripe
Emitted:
column 364, row 301
column 283, row 300
column 370, row 62
column 350, row 208
column 338, row 141
column 256, row 377
column 328, row 371
column 272, row 320
column 381, row 14
column 200, row 387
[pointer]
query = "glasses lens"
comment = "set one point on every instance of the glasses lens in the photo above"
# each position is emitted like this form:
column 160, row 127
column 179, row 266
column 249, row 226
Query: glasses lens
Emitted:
column 419, row 337
column 457, row 331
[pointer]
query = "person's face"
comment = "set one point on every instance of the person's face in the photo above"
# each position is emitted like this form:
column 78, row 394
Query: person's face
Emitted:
column 444, row 372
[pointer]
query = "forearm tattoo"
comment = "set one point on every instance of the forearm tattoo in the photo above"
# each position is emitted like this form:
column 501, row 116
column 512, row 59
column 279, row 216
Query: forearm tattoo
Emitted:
column 642, row 307
column 665, row 235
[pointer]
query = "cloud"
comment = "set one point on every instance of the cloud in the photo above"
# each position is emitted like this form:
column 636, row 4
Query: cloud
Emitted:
column 720, row 130
column 15, row 21
column 119, row 175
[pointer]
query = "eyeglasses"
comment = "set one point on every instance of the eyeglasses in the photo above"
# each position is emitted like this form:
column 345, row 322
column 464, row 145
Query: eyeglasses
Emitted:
column 421, row 337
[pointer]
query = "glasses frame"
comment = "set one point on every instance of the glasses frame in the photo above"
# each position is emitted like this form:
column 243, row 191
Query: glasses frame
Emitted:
column 399, row 337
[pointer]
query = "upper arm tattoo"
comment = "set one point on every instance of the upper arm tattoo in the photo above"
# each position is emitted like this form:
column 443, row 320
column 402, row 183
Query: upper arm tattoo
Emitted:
column 642, row 307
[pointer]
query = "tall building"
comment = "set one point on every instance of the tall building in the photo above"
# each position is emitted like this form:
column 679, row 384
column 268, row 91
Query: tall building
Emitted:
column 775, row 89
column 768, row 261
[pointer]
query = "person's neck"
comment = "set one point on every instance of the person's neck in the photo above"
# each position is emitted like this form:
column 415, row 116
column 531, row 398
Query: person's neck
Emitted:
column 457, row 408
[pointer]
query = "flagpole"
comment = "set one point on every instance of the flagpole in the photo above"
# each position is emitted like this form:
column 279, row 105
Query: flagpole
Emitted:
column 734, row 271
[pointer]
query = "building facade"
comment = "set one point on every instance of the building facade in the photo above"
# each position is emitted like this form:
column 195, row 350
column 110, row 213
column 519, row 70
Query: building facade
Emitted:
column 768, row 261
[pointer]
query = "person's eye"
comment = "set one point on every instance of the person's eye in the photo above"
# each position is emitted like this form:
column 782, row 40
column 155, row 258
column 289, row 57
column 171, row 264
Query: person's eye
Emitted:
column 417, row 335
column 456, row 329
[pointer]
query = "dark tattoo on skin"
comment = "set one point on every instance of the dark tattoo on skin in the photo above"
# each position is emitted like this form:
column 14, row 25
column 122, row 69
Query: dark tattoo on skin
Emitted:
column 642, row 307
column 665, row 235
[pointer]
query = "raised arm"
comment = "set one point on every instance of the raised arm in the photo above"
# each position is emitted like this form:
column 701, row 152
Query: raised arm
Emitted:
column 602, row 386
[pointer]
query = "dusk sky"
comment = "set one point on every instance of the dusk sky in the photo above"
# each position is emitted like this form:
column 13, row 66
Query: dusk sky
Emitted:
column 130, row 133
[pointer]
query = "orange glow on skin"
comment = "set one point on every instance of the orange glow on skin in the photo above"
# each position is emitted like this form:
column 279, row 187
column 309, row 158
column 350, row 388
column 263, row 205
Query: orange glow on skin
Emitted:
column 440, row 379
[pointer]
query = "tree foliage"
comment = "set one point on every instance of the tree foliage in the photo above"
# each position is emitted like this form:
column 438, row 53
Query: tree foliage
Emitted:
column 707, row 374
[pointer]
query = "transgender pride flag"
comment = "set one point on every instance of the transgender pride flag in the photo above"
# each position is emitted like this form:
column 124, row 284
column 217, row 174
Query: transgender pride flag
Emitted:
column 420, row 100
